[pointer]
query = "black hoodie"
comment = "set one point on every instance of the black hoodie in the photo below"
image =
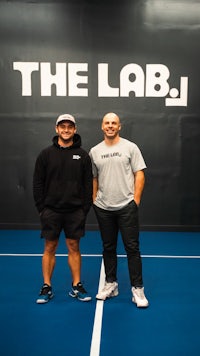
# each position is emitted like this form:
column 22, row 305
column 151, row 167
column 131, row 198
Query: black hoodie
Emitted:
column 62, row 179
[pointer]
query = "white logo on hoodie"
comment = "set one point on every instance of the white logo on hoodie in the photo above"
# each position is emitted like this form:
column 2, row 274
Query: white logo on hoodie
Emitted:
column 76, row 157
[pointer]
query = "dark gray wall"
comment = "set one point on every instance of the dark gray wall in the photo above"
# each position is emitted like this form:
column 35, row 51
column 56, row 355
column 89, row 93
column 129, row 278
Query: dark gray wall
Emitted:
column 151, row 32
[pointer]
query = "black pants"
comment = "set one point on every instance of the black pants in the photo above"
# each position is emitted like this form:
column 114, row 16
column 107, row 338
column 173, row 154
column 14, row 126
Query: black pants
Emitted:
column 126, row 221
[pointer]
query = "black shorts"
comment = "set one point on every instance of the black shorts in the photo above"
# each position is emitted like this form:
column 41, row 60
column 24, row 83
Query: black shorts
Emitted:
column 52, row 223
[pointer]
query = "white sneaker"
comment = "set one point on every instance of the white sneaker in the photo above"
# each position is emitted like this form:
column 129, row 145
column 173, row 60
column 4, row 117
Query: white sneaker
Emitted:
column 139, row 298
column 110, row 290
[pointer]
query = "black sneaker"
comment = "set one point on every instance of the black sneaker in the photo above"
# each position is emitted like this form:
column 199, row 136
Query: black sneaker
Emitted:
column 45, row 294
column 80, row 293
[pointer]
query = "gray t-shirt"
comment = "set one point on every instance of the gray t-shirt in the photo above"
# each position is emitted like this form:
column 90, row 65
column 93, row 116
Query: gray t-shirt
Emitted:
column 114, row 167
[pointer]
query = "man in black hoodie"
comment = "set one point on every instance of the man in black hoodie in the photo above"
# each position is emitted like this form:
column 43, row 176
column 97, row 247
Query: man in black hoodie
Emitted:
column 62, row 190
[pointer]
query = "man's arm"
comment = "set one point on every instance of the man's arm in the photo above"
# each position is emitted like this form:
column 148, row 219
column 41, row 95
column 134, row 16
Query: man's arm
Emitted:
column 38, row 184
column 95, row 187
column 138, row 186
column 87, row 201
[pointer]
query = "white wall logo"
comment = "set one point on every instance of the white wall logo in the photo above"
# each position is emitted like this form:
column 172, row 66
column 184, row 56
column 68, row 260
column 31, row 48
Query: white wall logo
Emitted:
column 152, row 83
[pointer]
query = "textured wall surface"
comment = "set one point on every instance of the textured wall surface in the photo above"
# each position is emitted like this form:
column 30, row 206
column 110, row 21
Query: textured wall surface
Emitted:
column 139, row 59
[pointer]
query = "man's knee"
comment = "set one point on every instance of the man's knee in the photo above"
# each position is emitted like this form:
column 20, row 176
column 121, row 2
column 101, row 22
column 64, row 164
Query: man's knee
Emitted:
column 72, row 245
column 50, row 246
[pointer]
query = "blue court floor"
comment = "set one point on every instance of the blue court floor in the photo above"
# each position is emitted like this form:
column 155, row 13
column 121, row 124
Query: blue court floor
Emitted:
column 64, row 326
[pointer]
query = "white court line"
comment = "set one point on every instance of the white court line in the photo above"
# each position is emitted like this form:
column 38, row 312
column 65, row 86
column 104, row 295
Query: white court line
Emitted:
column 88, row 255
column 41, row 254
column 96, row 334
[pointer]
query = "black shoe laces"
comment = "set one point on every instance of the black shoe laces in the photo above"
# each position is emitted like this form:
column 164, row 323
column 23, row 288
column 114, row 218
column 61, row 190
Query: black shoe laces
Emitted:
column 45, row 289
column 80, row 288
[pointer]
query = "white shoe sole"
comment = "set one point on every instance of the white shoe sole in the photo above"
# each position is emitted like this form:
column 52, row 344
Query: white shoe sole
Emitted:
column 87, row 299
column 43, row 301
column 140, row 305
column 113, row 294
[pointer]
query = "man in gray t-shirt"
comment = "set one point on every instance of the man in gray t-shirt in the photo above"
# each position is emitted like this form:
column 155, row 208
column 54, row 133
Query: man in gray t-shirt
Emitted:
column 118, row 182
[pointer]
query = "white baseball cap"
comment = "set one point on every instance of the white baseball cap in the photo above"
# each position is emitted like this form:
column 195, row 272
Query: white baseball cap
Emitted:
column 65, row 117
